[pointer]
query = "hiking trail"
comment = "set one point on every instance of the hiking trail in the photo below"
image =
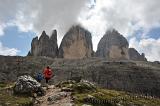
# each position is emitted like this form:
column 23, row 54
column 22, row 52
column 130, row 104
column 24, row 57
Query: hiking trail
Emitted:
column 54, row 97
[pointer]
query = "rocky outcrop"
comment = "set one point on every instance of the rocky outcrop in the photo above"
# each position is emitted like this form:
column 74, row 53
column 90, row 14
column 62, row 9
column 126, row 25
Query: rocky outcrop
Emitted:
column 113, row 46
column 27, row 85
column 45, row 45
column 134, row 55
column 76, row 44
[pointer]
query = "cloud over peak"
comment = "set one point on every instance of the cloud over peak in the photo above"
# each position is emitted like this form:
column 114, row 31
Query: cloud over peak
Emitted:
column 127, row 16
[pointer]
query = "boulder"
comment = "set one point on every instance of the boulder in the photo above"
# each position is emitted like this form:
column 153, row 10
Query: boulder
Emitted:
column 56, row 97
column 113, row 46
column 134, row 55
column 76, row 44
column 27, row 85
column 45, row 45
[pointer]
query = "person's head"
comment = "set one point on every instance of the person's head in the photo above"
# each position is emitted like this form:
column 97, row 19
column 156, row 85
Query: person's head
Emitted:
column 47, row 67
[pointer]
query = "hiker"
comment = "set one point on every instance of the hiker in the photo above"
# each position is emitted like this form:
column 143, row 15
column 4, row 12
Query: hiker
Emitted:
column 39, row 77
column 47, row 74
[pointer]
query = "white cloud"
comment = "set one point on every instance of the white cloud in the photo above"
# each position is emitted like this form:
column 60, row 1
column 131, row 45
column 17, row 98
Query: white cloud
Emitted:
column 8, row 51
column 127, row 16
column 24, row 23
column 46, row 15
column 8, row 9
column 124, row 15
column 150, row 46
column 39, row 15
column 1, row 30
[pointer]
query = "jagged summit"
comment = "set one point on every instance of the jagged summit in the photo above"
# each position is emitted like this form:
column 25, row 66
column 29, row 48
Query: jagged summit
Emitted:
column 54, row 35
column 43, row 37
column 45, row 45
column 113, row 46
column 76, row 43
column 43, row 33
column 116, row 38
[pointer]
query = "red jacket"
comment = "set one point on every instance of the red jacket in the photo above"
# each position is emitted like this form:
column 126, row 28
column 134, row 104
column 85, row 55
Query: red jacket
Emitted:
column 47, row 73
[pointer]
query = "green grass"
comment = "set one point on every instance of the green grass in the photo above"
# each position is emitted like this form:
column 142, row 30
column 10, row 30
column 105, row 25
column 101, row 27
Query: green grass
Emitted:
column 3, row 85
column 8, row 99
column 83, row 91
column 118, row 97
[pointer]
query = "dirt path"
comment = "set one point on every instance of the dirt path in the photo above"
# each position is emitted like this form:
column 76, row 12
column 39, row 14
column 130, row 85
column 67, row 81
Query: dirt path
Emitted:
column 53, row 92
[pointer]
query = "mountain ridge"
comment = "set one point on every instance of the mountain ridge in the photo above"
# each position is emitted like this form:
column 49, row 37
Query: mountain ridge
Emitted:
column 77, row 43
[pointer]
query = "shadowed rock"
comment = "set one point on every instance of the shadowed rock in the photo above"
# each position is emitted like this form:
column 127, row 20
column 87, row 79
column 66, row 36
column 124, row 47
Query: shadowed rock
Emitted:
column 45, row 45
column 134, row 55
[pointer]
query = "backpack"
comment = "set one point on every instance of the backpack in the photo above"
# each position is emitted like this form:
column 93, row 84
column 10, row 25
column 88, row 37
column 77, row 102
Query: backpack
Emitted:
column 39, row 76
column 49, row 72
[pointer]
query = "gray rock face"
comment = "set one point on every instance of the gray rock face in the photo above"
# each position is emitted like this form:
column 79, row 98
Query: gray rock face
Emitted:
column 45, row 46
column 76, row 44
column 134, row 55
column 113, row 46
column 26, row 85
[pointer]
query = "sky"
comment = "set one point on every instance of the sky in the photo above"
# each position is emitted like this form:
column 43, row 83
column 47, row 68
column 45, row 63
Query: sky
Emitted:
column 137, row 20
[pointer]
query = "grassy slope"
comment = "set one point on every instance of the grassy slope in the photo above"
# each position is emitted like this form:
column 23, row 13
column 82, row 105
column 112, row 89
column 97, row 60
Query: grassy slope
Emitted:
column 83, row 91
column 115, row 98
column 8, row 99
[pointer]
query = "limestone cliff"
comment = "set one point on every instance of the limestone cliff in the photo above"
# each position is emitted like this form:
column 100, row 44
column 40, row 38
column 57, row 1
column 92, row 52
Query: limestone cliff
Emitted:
column 76, row 44
column 113, row 46
column 45, row 45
